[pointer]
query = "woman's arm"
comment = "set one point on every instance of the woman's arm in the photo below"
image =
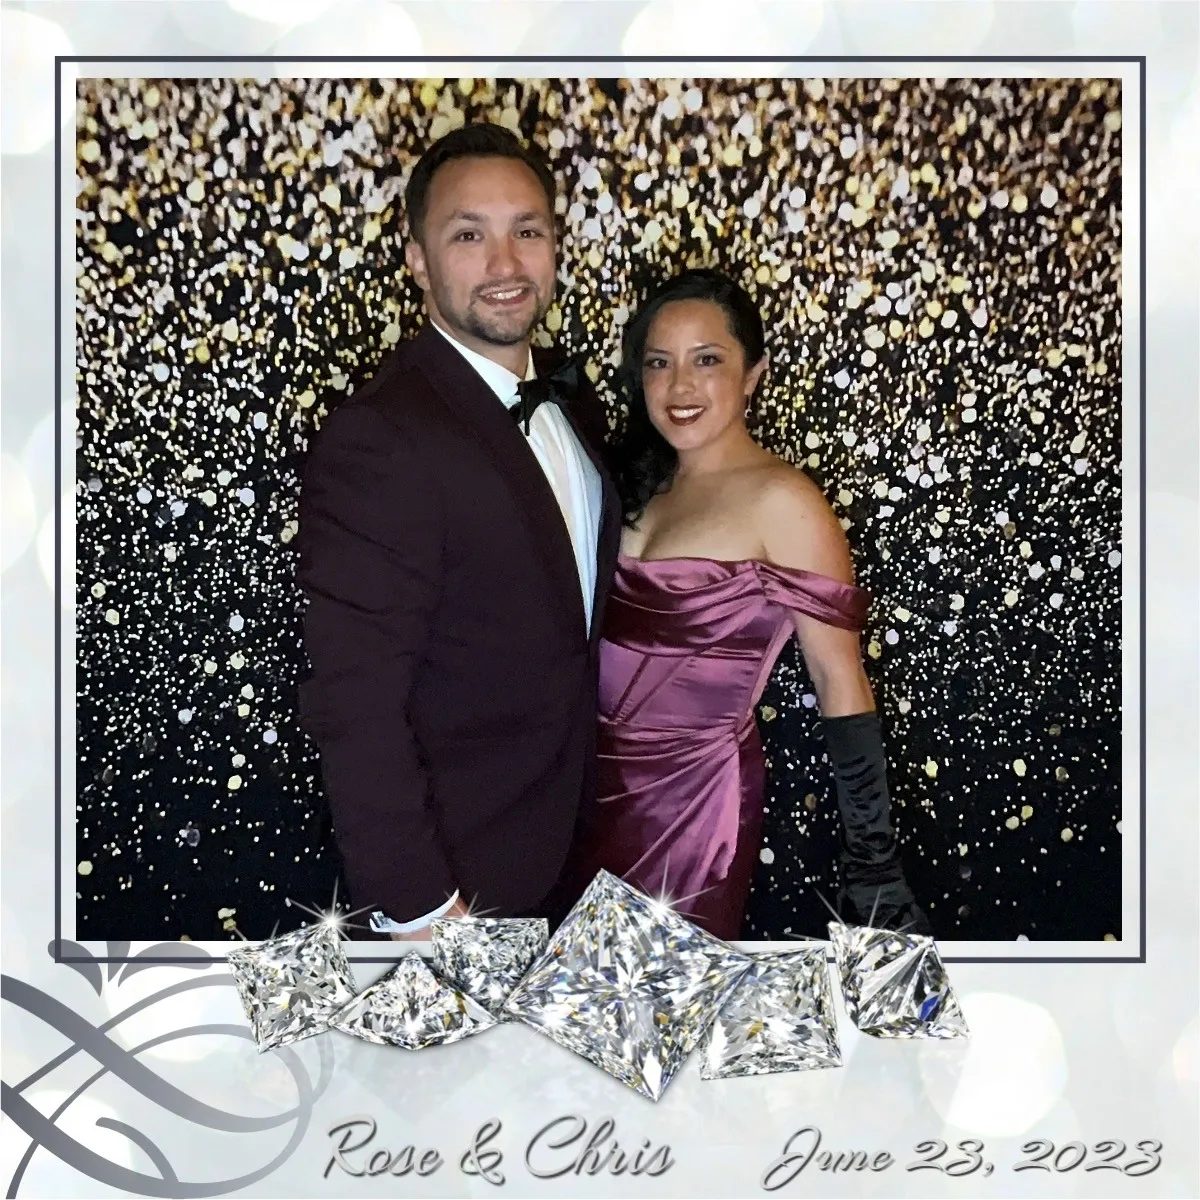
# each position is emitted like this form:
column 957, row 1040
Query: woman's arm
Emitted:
column 799, row 530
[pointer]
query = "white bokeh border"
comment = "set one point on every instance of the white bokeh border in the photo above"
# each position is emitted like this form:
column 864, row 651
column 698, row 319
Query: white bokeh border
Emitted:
column 1060, row 1051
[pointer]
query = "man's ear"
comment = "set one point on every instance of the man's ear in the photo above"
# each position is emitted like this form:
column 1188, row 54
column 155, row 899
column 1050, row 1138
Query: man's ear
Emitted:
column 415, row 257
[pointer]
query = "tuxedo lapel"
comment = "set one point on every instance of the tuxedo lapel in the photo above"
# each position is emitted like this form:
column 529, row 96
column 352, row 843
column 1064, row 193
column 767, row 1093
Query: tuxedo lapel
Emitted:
column 607, row 553
column 486, row 418
column 609, row 539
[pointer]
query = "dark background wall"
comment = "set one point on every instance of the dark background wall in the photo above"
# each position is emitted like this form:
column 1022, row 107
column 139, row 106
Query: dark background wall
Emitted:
column 938, row 264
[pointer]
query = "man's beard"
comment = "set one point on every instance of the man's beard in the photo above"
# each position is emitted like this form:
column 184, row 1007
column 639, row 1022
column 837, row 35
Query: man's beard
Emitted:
column 494, row 333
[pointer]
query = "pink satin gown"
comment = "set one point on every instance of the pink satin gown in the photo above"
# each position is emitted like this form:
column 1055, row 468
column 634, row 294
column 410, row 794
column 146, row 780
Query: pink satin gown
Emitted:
column 687, row 649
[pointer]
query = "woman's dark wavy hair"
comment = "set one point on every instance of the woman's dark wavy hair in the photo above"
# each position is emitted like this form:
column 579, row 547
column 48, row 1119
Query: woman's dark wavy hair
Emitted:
column 643, row 462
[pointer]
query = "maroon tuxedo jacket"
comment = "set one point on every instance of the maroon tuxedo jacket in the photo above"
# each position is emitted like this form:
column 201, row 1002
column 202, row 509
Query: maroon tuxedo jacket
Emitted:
column 453, row 684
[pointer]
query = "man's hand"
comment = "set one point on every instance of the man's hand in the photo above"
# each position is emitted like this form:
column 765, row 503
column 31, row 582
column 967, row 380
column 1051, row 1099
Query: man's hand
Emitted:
column 457, row 909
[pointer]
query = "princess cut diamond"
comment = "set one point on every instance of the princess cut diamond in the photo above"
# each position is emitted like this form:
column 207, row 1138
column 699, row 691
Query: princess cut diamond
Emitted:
column 411, row 1007
column 894, row 984
column 780, row 1017
column 485, row 957
column 291, row 985
column 628, row 984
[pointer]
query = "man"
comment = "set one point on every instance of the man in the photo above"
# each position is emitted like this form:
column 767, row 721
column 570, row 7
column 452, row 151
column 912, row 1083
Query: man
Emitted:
column 456, row 560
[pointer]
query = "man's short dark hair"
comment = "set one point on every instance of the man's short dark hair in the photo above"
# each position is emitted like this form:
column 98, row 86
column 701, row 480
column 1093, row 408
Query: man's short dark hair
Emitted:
column 480, row 140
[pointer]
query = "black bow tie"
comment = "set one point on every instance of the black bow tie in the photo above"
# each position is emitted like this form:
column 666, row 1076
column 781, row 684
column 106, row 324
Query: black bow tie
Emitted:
column 559, row 387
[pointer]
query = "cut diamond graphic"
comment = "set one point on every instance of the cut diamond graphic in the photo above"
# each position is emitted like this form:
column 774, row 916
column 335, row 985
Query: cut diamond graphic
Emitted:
column 780, row 1017
column 894, row 984
column 291, row 985
column 411, row 1007
column 485, row 957
column 628, row 984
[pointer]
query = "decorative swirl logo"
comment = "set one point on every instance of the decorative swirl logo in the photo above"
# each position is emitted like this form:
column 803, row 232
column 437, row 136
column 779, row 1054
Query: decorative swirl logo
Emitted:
column 113, row 1058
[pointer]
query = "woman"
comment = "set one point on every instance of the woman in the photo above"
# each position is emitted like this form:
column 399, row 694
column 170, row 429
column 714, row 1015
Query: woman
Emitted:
column 726, row 551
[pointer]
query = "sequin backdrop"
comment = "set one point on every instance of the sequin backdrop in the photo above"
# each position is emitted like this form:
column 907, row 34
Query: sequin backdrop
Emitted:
column 938, row 266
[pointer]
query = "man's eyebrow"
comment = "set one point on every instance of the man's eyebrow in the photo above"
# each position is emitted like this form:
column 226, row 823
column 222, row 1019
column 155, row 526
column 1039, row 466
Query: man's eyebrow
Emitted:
column 462, row 214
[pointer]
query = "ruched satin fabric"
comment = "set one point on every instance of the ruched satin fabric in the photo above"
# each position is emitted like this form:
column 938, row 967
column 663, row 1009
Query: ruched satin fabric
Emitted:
column 687, row 649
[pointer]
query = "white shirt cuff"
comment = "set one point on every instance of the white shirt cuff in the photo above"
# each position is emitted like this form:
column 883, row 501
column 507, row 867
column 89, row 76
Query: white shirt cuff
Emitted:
column 382, row 924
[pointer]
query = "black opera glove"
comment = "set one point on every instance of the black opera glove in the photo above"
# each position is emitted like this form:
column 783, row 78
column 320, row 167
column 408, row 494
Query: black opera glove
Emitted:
column 872, row 874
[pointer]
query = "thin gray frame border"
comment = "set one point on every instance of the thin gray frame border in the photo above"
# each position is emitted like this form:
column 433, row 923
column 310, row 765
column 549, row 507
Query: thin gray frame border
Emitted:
column 984, row 59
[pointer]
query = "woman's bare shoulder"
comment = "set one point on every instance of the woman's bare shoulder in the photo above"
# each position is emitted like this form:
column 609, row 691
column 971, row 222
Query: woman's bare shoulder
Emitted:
column 797, row 526
column 788, row 485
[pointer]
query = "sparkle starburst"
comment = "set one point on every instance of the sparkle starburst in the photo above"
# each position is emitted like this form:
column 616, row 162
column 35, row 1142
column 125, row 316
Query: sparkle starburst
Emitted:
column 333, row 918
column 664, row 902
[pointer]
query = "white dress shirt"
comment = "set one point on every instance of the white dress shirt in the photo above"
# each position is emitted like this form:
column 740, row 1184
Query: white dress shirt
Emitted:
column 576, row 485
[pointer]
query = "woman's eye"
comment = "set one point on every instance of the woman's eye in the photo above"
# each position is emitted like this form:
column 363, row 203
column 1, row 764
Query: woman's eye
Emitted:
column 708, row 360
column 653, row 364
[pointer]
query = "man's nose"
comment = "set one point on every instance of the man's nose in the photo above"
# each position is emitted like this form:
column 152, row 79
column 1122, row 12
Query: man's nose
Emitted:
column 502, row 258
